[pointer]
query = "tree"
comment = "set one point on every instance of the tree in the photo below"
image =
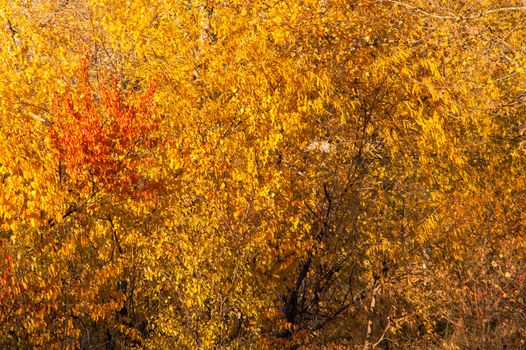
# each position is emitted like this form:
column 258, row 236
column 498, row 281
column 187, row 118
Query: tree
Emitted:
column 260, row 174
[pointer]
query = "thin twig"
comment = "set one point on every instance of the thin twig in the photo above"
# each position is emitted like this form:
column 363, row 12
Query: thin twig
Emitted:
column 434, row 15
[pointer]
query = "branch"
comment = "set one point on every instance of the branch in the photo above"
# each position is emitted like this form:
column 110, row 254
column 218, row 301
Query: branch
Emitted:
column 422, row 11
column 13, row 32
column 41, row 119
column 384, row 332
column 505, row 9
column 433, row 15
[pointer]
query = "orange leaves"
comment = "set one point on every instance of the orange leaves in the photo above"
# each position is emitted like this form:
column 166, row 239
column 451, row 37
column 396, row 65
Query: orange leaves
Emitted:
column 6, row 271
column 102, row 137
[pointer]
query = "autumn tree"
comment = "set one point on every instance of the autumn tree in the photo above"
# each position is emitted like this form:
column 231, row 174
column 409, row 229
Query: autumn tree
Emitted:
column 262, row 174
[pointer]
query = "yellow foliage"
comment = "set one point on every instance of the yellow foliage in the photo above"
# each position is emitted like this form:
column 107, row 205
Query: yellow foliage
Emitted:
column 259, row 173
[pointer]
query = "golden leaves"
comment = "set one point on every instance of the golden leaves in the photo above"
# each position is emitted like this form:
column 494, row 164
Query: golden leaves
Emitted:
column 292, row 155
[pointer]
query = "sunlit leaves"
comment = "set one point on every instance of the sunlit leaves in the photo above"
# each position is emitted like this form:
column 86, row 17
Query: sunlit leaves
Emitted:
column 215, row 174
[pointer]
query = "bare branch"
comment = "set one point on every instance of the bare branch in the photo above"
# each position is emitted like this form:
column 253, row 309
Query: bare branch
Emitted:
column 453, row 17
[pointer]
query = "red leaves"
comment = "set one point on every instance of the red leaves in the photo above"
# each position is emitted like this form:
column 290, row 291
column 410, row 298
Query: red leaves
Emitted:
column 100, row 136
column 6, row 274
column 6, row 268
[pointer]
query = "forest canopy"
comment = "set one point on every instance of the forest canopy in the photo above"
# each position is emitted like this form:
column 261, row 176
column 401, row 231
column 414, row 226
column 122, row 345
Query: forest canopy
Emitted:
column 262, row 174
